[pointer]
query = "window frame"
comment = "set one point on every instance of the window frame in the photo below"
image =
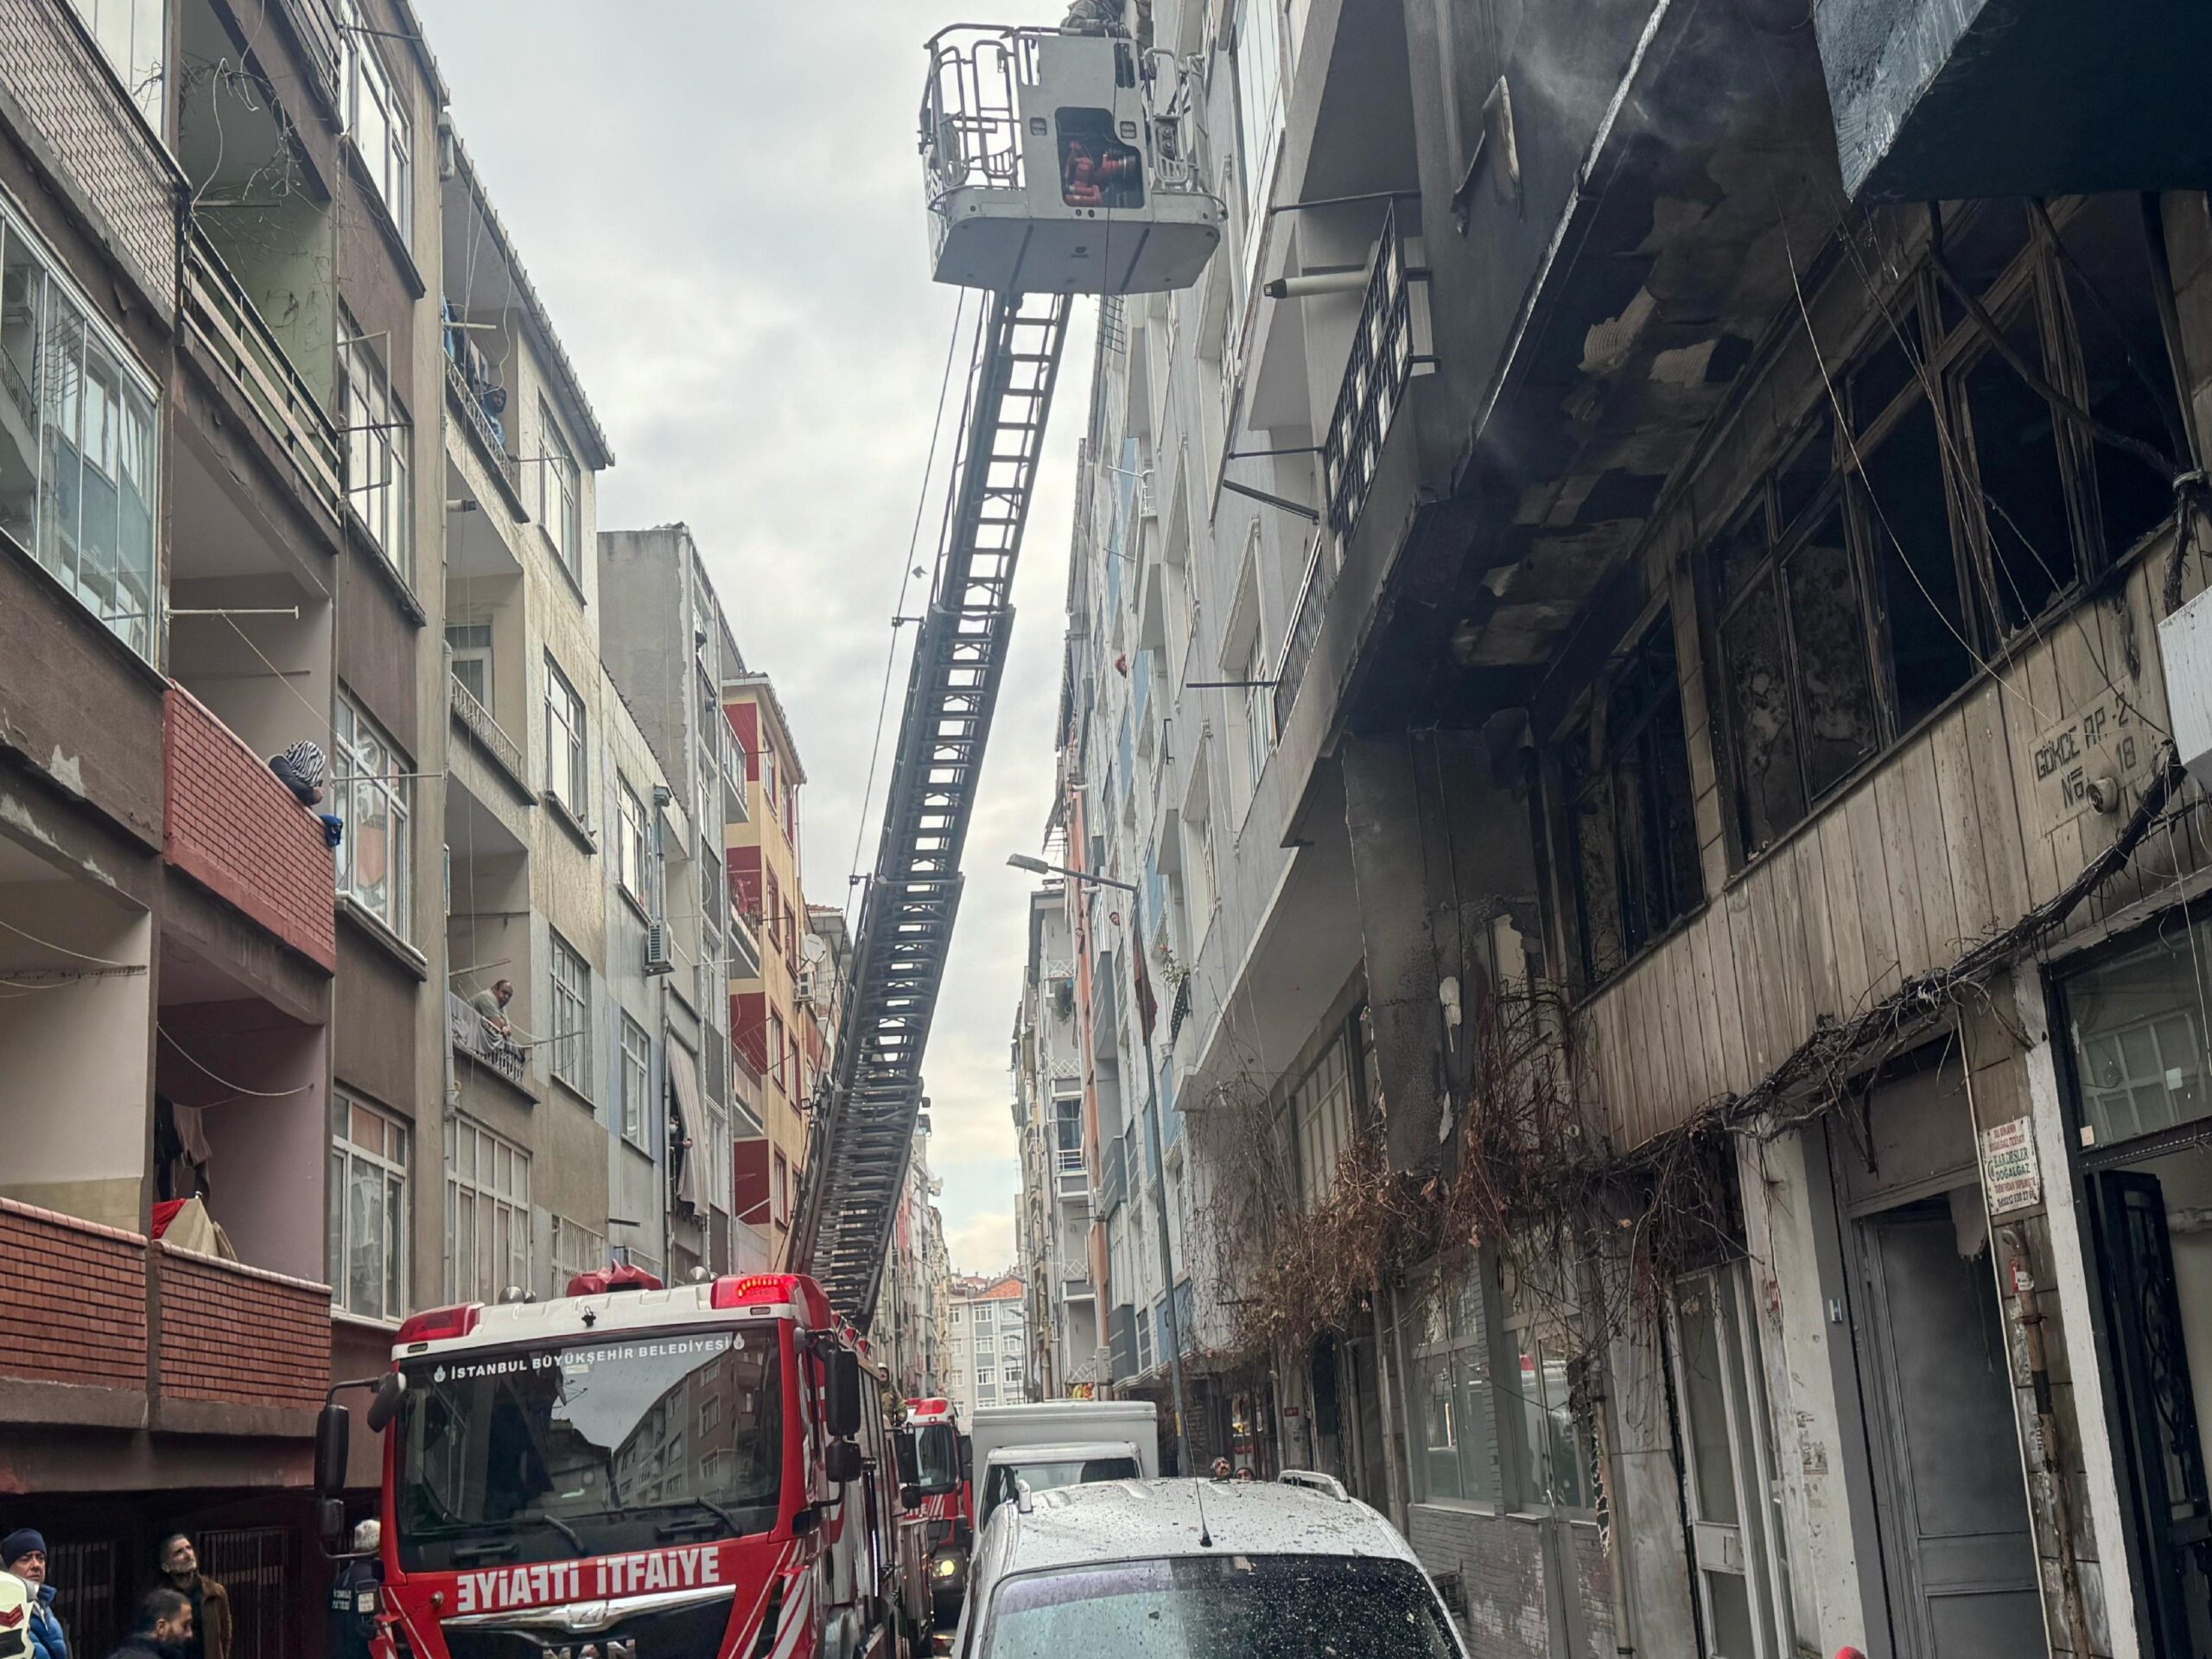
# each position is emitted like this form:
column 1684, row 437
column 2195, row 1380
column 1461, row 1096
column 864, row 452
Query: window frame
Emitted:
column 575, row 763
column 373, row 766
column 560, row 493
column 567, row 1046
column 1948, row 347
column 1587, row 728
column 348, row 1156
column 376, row 432
column 392, row 168
column 479, row 656
column 509, row 1202
column 634, row 1104
column 633, row 843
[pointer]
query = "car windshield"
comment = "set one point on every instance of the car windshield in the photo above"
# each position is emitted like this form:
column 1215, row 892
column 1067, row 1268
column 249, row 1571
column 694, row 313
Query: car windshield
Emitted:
column 1221, row 1607
column 587, row 1448
column 1005, row 1479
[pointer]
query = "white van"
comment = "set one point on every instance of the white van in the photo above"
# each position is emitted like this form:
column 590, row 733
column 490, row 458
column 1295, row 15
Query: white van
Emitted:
column 1200, row 1569
column 1014, row 1469
column 1068, row 1422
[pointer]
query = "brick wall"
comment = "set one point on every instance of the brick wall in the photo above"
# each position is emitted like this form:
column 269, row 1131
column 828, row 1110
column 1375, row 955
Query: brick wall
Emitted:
column 233, row 827
column 242, row 1334
column 1501, row 1568
column 72, row 1301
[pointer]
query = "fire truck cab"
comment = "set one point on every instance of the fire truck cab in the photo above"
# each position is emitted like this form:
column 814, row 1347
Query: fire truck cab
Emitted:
column 937, row 1518
column 632, row 1469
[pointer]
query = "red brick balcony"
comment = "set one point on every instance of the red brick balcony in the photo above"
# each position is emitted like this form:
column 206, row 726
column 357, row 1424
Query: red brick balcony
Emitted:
column 234, row 829
column 241, row 1336
column 73, row 1302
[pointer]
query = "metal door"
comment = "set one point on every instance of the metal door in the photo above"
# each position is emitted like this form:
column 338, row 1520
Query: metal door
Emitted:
column 1730, row 1491
column 2157, row 1405
column 1956, row 1545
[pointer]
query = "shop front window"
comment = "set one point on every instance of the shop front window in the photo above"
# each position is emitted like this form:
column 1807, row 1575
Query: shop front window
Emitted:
column 2137, row 1024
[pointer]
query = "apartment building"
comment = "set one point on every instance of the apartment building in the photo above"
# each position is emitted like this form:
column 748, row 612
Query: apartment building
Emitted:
column 254, row 295
column 211, row 347
column 986, row 1345
column 1069, row 1353
column 1626, row 636
column 773, row 997
column 655, row 588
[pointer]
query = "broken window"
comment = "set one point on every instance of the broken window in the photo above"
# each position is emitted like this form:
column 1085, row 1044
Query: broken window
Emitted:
column 1631, row 835
column 1845, row 614
column 2107, row 296
column 1797, row 684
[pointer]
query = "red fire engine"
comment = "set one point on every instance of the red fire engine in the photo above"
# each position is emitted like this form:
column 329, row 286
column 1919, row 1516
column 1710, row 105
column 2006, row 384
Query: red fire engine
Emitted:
column 630, row 1471
column 938, row 1519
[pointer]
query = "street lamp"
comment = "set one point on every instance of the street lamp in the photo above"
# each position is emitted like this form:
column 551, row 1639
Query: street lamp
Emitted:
column 1039, row 867
column 1164, row 1243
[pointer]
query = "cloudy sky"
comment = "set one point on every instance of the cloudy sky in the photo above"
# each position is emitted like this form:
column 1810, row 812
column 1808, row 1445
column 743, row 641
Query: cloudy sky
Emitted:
column 719, row 201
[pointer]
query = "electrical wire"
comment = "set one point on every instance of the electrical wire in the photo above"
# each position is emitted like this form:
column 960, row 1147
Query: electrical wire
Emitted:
column 238, row 1089
column 913, row 545
column 63, row 949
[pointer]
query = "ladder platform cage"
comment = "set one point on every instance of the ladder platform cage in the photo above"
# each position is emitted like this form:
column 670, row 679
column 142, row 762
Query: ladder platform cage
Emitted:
column 1062, row 162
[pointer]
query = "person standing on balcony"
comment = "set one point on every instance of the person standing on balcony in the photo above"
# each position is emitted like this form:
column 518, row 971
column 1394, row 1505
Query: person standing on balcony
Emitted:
column 208, row 1634
column 23, row 1554
column 492, row 1003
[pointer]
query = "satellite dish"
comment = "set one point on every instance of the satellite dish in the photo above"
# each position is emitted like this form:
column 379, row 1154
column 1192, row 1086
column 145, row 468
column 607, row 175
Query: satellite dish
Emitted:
column 813, row 946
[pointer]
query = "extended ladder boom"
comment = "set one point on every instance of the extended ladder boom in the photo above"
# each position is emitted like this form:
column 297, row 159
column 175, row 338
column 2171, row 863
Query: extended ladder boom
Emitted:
column 864, row 1124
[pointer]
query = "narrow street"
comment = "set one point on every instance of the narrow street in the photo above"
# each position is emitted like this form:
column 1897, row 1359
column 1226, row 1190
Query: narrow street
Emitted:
column 1425, row 780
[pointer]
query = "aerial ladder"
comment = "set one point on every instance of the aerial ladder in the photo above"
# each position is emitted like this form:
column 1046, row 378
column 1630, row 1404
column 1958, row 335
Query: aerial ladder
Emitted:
column 1057, row 162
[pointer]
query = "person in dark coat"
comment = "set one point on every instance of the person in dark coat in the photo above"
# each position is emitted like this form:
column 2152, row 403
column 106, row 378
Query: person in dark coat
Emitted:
column 22, row 1553
column 164, row 1629
column 356, row 1596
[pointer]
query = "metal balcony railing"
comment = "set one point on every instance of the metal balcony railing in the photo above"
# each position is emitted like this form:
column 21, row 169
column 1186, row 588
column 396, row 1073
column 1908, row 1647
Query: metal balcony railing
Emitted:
column 475, row 719
column 465, row 404
column 1388, row 347
column 478, row 1038
column 1069, row 1160
column 230, row 329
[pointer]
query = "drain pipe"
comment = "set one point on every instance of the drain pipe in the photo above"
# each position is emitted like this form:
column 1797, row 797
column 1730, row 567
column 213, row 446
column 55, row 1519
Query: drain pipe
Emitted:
column 2021, row 1277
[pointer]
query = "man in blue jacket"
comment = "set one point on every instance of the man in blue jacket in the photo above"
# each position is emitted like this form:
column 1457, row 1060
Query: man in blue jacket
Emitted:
column 23, row 1554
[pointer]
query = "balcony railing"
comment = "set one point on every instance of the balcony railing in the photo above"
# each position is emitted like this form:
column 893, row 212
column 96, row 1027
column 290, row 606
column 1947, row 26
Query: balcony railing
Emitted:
column 474, row 718
column 1389, row 346
column 82, row 1321
column 482, row 1041
column 234, row 827
column 467, row 404
column 229, row 328
column 207, row 1304
column 1069, row 1160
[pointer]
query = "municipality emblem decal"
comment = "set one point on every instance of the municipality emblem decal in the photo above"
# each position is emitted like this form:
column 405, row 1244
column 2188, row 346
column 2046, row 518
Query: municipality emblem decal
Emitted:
column 438, row 1376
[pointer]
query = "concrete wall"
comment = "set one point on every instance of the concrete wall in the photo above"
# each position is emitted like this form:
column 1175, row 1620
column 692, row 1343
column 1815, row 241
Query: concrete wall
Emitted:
column 75, row 1098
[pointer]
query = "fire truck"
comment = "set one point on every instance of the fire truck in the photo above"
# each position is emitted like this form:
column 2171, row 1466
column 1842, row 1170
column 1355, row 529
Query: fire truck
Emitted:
column 937, row 1522
column 633, row 1471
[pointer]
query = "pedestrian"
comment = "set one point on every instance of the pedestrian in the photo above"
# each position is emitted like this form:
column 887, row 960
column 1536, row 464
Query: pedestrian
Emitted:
column 209, row 1634
column 1221, row 1468
column 356, row 1597
column 165, row 1629
column 22, row 1553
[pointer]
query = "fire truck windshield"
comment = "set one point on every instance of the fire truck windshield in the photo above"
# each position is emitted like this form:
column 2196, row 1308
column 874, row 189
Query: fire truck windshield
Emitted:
column 937, row 1451
column 587, row 1448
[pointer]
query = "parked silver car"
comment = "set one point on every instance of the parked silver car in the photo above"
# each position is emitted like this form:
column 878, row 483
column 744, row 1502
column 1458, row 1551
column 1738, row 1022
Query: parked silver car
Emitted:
column 1200, row 1569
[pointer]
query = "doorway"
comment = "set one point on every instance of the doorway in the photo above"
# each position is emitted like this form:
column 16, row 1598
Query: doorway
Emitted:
column 1957, row 1555
column 1956, row 1545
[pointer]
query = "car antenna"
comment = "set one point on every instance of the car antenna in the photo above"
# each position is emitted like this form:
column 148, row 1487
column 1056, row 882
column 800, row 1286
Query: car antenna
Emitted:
column 1205, row 1532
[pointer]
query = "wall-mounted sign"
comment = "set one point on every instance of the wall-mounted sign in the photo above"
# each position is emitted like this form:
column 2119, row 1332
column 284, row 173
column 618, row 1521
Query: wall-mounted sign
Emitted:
column 2010, row 1178
column 2103, row 745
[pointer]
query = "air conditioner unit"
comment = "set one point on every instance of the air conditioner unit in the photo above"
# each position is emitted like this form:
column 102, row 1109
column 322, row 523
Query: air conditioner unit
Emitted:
column 658, row 959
